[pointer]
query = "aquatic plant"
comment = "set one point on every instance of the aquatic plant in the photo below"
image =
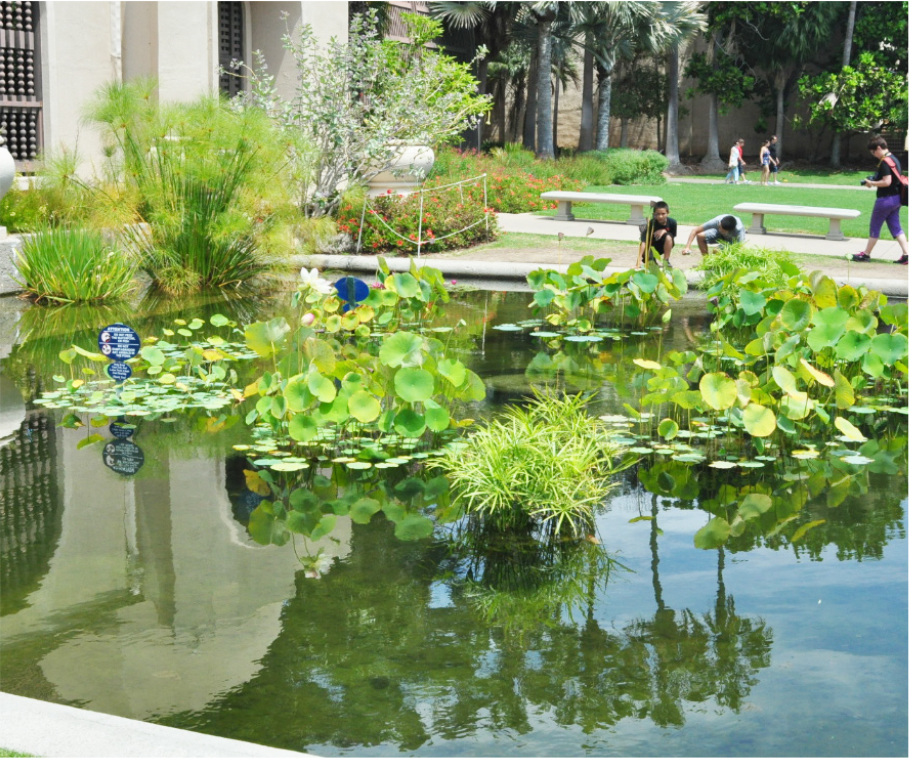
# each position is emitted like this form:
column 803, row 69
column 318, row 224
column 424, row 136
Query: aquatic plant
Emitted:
column 545, row 466
column 769, row 265
column 585, row 293
column 207, row 179
column 64, row 265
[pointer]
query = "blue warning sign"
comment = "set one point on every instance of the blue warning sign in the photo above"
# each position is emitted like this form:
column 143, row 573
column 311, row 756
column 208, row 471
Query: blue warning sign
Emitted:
column 118, row 342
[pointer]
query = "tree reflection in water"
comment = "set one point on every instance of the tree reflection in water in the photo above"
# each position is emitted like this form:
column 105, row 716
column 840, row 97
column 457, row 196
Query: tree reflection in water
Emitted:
column 405, row 642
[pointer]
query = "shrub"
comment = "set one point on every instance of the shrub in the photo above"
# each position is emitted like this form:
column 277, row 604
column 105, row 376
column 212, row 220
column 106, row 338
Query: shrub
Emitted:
column 73, row 266
column 204, row 177
column 443, row 226
column 635, row 166
column 544, row 467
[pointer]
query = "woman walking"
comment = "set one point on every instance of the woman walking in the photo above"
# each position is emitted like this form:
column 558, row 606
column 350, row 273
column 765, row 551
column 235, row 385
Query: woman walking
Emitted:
column 734, row 161
column 887, row 204
column 765, row 162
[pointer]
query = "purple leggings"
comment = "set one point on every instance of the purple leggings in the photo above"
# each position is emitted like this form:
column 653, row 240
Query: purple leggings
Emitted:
column 886, row 210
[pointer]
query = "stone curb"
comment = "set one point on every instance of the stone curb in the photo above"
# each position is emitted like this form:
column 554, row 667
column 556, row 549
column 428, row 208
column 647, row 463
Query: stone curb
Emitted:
column 894, row 288
column 41, row 728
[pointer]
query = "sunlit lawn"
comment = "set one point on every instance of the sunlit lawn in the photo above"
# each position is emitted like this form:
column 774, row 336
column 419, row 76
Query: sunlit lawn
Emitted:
column 693, row 203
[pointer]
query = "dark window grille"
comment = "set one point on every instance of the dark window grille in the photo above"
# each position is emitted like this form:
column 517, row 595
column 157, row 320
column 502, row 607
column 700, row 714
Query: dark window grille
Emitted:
column 20, row 81
column 231, row 46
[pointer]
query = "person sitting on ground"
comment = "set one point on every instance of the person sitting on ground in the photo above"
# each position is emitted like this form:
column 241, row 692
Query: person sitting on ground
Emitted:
column 661, row 230
column 723, row 230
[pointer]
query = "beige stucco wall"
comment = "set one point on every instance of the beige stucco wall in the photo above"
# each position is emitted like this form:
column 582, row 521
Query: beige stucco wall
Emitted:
column 90, row 43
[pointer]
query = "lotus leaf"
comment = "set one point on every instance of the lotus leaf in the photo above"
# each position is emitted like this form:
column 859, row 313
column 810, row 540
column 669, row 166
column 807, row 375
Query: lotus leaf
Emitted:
column 302, row 428
column 414, row 384
column 890, row 347
column 849, row 430
column 822, row 377
column 872, row 364
column 414, row 527
column 852, row 346
column 668, row 429
column 750, row 302
column 264, row 528
column 322, row 387
column 759, row 421
column 453, row 370
column 824, row 291
column 718, row 390
column 363, row 406
column 796, row 314
column 845, row 395
column 796, row 405
column 266, row 338
column 402, row 349
column 713, row 534
column 753, row 505
column 436, row 416
column 153, row 355
column 409, row 423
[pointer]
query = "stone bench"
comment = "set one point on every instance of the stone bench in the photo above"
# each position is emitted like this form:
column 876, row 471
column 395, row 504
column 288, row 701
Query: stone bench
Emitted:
column 835, row 215
column 565, row 201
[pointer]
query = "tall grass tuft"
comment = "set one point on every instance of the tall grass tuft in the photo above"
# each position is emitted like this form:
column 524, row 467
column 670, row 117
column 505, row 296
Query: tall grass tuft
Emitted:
column 774, row 267
column 207, row 178
column 543, row 467
column 73, row 266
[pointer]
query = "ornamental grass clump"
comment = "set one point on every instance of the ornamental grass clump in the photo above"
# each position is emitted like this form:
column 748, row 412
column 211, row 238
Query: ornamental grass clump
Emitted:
column 544, row 467
column 203, row 183
column 73, row 266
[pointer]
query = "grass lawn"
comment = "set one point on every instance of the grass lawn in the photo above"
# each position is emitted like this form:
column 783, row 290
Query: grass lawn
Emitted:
column 7, row 752
column 693, row 203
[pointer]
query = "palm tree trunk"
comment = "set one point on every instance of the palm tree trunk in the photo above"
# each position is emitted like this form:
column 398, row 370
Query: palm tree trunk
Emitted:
column 604, row 109
column 671, row 128
column 846, row 57
column 780, row 117
column 543, row 122
column 585, row 136
column 624, row 128
column 711, row 161
column 531, row 103
column 500, row 111
column 554, row 115
column 482, row 90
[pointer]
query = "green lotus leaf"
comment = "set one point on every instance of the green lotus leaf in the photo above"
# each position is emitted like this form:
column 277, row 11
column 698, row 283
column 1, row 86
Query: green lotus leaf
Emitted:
column 409, row 423
column 322, row 387
column 473, row 389
column 218, row 320
column 751, row 303
column 668, row 429
column 890, row 347
column 754, row 504
column 895, row 315
column 713, row 534
column 363, row 406
column 645, row 281
column 830, row 317
column 402, row 349
column 825, row 293
column 845, row 394
column 436, row 416
column 847, row 297
column 796, row 314
column 849, row 430
column 404, row 285
column 414, row 384
column 824, row 336
column 872, row 364
column 759, row 421
column 325, row 526
column 718, row 390
column 321, row 355
column 153, row 355
column 796, row 406
column 452, row 370
column 302, row 428
column 414, row 527
column 350, row 321
column 264, row 528
column 363, row 509
column 852, row 346
column 336, row 410
column 266, row 338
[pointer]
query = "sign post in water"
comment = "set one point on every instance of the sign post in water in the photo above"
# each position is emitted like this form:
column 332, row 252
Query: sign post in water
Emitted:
column 119, row 343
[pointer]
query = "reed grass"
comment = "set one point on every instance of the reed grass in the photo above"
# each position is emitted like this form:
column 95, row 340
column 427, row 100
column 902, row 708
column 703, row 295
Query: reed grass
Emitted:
column 73, row 266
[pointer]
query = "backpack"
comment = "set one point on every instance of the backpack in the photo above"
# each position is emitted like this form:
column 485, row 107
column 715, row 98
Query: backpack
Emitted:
column 903, row 181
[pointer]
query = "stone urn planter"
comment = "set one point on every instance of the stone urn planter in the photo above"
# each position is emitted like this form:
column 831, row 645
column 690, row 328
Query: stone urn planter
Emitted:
column 410, row 167
column 7, row 169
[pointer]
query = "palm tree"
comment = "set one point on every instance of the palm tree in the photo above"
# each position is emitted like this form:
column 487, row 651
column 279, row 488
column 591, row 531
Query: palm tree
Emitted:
column 490, row 21
column 846, row 59
column 682, row 21
column 544, row 14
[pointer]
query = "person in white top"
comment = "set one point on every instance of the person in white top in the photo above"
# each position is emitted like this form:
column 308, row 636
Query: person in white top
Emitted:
column 734, row 162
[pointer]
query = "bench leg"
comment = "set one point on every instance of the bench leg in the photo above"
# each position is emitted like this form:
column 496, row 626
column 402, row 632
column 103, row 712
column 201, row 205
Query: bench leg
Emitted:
column 757, row 227
column 636, row 216
column 835, row 232
column 564, row 211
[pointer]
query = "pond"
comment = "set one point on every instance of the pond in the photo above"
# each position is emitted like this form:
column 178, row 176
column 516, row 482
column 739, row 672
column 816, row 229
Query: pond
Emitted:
column 130, row 583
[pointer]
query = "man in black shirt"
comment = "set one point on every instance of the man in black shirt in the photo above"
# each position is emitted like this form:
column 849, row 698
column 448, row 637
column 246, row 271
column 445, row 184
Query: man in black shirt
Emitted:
column 661, row 230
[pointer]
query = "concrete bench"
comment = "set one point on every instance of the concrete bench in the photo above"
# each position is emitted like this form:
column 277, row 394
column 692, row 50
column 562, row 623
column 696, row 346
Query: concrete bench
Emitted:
column 565, row 201
column 835, row 215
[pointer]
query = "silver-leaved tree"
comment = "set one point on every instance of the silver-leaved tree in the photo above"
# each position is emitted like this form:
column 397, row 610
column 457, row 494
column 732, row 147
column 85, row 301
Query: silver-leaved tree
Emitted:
column 356, row 103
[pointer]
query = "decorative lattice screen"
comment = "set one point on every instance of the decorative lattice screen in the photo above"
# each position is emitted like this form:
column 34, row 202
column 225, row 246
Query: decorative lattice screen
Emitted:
column 20, row 80
column 231, row 45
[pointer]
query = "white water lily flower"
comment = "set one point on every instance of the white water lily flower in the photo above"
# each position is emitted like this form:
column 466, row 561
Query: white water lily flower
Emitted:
column 313, row 280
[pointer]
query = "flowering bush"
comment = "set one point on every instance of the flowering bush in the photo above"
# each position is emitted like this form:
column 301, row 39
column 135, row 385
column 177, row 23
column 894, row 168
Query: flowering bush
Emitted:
column 446, row 214
column 513, row 186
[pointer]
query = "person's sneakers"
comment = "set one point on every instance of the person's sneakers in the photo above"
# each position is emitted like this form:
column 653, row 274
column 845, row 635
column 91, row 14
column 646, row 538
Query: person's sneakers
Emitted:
column 903, row 259
column 861, row 257
column 776, row 181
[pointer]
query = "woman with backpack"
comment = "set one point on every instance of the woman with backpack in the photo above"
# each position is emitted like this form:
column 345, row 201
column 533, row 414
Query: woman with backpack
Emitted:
column 888, row 181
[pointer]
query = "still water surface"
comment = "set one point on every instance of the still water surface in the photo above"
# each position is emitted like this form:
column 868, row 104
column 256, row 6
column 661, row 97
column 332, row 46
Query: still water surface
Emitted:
column 143, row 596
